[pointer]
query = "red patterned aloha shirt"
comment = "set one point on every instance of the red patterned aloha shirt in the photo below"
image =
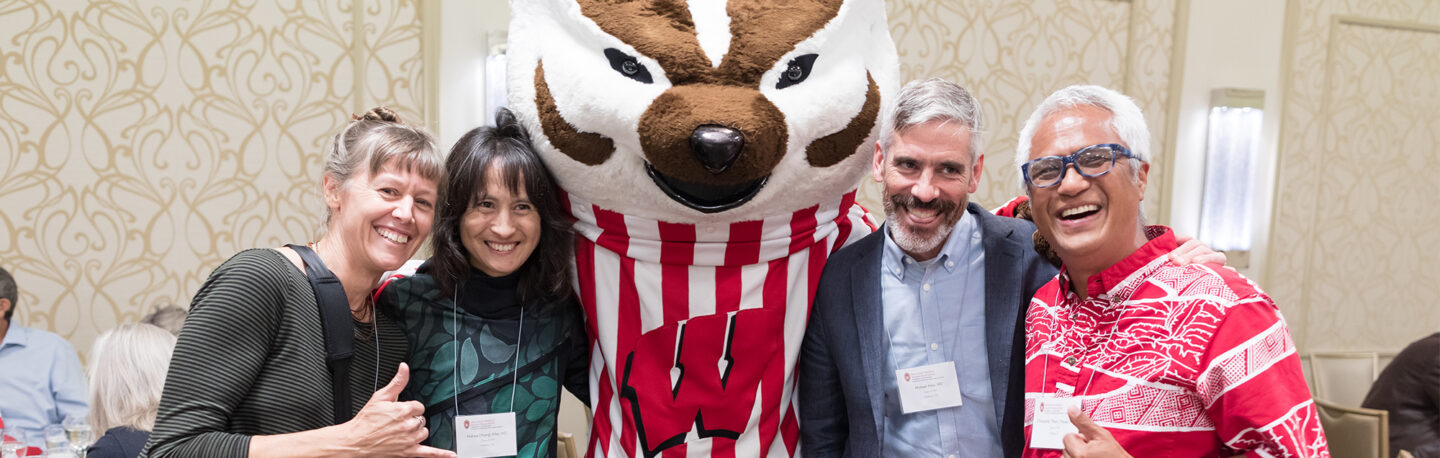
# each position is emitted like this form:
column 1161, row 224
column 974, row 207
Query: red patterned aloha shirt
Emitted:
column 1172, row 360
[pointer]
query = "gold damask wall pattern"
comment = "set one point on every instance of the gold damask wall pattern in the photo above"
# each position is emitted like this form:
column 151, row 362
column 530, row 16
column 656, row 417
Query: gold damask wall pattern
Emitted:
column 1011, row 55
column 1354, row 249
column 143, row 143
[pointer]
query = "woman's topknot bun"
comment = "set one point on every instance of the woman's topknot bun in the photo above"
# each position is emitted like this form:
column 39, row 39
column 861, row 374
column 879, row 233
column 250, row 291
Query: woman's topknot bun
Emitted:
column 381, row 114
column 507, row 126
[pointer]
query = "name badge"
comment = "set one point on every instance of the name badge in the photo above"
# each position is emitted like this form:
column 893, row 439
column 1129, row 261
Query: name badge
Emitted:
column 1052, row 422
column 486, row 435
column 928, row 387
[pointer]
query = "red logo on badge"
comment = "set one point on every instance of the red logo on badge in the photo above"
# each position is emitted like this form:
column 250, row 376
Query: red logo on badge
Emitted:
column 467, row 424
column 907, row 376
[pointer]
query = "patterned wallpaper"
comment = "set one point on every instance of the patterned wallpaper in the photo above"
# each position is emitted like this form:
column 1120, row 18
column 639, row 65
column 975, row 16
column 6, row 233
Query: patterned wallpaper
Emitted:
column 1012, row 55
column 1354, row 250
column 143, row 143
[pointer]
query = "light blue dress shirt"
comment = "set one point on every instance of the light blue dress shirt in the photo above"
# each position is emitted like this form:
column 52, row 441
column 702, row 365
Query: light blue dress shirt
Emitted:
column 41, row 381
column 935, row 312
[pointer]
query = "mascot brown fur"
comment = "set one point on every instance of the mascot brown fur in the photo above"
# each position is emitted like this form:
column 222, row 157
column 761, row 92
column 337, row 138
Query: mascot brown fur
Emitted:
column 710, row 152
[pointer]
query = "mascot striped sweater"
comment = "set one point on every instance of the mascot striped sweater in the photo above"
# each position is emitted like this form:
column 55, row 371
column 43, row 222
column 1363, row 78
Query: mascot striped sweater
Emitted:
column 703, row 363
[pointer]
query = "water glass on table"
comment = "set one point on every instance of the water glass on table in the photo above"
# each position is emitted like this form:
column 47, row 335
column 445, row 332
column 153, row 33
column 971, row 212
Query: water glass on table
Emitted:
column 79, row 433
column 56, row 438
column 12, row 443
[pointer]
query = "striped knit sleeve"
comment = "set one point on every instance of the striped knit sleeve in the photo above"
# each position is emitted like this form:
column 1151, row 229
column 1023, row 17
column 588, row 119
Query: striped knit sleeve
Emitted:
column 221, row 349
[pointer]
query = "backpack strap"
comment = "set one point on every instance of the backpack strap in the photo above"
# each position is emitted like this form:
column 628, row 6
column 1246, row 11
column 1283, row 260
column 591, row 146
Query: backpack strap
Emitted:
column 338, row 326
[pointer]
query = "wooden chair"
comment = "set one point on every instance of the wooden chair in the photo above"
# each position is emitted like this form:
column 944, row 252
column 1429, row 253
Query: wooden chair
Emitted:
column 565, row 448
column 1343, row 378
column 1355, row 431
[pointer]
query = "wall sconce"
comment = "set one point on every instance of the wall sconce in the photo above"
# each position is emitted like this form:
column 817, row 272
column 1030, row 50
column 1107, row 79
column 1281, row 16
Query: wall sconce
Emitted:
column 1232, row 150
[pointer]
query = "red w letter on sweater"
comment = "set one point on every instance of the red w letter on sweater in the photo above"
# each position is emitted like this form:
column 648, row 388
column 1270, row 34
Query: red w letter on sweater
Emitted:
column 707, row 378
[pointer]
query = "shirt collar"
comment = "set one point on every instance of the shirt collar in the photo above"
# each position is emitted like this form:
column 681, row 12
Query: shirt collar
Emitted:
column 1111, row 283
column 17, row 335
column 894, row 259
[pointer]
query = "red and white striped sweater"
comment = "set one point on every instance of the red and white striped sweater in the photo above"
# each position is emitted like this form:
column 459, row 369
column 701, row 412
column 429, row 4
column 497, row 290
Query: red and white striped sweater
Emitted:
column 695, row 329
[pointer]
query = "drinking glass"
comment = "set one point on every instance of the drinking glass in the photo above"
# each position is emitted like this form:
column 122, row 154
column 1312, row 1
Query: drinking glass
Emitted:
column 80, row 435
column 12, row 443
column 56, row 439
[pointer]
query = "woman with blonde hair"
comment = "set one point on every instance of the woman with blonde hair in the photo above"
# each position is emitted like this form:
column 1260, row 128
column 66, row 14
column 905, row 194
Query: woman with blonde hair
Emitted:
column 127, row 372
column 253, row 372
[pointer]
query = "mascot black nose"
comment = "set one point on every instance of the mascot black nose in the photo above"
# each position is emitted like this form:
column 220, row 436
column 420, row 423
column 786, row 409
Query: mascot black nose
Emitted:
column 717, row 147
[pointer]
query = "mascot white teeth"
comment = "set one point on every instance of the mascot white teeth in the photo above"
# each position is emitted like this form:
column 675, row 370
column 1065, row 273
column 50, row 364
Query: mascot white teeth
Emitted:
column 710, row 152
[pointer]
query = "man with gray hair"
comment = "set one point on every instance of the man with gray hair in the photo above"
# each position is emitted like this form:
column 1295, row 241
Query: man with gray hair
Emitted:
column 41, row 382
column 1159, row 354
column 908, row 350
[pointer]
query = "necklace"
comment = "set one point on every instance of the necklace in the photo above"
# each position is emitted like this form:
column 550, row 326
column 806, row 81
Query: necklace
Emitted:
column 365, row 313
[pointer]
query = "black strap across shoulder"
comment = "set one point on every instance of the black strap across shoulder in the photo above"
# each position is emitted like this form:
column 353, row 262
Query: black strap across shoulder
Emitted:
column 339, row 327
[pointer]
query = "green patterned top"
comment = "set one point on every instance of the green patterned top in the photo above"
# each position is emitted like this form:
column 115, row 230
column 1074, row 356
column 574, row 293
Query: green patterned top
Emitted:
column 554, row 352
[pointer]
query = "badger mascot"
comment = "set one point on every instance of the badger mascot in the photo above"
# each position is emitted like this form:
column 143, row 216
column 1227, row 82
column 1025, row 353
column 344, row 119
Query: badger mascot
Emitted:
column 710, row 153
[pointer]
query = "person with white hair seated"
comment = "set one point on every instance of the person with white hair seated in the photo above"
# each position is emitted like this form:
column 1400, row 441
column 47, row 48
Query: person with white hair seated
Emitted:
column 127, row 374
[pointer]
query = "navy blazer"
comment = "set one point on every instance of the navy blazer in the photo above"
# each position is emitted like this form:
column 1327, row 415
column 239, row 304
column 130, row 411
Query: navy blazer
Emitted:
column 841, row 396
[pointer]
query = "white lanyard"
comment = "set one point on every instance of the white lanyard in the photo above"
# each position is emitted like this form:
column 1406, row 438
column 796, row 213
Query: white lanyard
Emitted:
column 455, row 338
column 919, row 300
column 375, row 331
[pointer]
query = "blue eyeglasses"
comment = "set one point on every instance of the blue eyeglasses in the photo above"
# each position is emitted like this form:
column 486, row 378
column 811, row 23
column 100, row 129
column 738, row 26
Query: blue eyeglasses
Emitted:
column 1091, row 161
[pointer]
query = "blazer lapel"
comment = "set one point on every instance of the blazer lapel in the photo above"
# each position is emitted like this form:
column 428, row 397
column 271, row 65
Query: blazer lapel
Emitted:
column 1002, row 302
column 869, row 324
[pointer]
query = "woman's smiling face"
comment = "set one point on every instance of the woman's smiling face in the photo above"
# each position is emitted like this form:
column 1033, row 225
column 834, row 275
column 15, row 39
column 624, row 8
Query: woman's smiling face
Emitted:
column 501, row 228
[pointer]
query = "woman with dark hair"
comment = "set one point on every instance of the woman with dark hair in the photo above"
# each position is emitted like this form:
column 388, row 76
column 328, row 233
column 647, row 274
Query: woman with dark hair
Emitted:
column 491, row 316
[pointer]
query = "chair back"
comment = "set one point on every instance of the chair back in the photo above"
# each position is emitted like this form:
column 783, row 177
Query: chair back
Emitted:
column 565, row 447
column 1343, row 378
column 1355, row 432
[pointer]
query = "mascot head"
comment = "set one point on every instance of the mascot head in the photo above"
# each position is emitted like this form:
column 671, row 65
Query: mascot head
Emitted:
column 704, row 111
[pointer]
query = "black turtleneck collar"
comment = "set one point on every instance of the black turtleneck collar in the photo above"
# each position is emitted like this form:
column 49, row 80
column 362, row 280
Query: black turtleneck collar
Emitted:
column 491, row 297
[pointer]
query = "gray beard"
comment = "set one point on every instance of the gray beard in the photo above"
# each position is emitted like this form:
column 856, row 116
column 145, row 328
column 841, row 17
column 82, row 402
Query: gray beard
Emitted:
column 915, row 243
column 911, row 242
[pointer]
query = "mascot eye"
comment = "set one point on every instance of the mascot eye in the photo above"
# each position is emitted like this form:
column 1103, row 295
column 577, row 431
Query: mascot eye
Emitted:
column 796, row 71
column 627, row 65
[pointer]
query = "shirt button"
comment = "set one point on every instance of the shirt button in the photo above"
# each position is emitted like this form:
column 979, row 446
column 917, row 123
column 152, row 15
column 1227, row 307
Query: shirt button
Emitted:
column 934, row 346
column 952, row 455
column 925, row 287
column 1070, row 360
column 950, row 264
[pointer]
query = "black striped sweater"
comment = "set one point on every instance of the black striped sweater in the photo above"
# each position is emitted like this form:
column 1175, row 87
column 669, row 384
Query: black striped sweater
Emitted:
column 250, row 361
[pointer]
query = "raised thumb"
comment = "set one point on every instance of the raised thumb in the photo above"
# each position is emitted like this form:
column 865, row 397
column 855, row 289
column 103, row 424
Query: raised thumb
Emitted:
column 391, row 391
column 1085, row 426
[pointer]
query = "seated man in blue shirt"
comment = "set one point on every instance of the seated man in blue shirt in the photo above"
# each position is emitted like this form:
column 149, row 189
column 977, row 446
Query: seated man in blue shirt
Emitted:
column 41, row 382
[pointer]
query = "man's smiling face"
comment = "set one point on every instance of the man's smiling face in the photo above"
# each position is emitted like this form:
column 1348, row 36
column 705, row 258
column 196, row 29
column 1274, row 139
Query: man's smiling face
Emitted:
column 928, row 175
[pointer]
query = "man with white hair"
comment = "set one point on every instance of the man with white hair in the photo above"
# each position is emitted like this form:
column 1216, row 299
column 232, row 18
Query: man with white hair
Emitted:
column 1168, row 360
